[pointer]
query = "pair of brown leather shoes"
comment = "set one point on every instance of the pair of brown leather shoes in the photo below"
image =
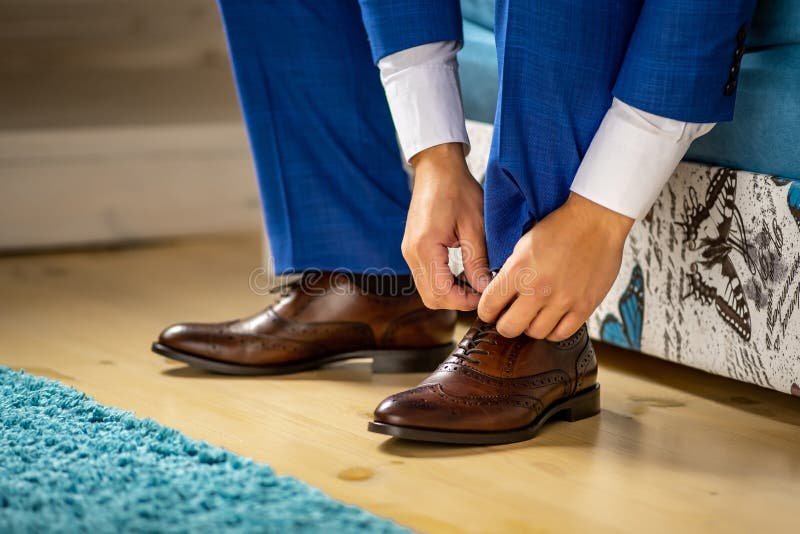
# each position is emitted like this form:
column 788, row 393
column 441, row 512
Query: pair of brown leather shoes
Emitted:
column 486, row 390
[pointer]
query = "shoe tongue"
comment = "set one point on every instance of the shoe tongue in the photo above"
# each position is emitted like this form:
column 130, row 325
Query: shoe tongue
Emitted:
column 291, row 290
column 485, row 332
column 286, row 283
column 483, row 335
column 476, row 337
column 307, row 282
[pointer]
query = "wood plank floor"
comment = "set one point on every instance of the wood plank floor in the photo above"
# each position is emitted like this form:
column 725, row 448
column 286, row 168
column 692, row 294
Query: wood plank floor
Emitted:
column 674, row 450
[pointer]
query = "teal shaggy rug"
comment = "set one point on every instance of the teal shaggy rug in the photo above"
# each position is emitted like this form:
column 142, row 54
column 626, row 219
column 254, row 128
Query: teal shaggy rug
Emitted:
column 70, row 464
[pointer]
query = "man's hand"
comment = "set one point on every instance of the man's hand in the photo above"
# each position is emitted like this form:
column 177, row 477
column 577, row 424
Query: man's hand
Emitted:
column 446, row 211
column 558, row 273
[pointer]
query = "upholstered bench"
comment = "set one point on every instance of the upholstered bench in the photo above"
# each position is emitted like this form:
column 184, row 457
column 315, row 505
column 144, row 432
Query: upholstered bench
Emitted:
column 711, row 276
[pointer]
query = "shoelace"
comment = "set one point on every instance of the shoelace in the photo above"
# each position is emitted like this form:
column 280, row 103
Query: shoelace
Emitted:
column 485, row 334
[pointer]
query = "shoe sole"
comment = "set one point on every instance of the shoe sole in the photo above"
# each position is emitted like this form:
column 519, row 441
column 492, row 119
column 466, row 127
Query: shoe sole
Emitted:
column 584, row 404
column 383, row 361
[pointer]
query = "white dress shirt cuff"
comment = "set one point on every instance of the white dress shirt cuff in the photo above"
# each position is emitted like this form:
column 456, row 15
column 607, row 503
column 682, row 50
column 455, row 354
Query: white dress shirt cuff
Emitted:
column 631, row 157
column 424, row 96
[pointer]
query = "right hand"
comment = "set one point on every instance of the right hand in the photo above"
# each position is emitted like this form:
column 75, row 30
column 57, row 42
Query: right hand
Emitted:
column 446, row 211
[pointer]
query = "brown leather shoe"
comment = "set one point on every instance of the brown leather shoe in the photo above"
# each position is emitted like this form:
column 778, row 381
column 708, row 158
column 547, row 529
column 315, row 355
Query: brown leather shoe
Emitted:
column 315, row 323
column 494, row 390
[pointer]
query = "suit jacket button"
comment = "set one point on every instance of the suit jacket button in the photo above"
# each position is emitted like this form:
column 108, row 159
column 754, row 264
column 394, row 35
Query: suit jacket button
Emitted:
column 742, row 33
column 730, row 87
column 734, row 70
column 738, row 53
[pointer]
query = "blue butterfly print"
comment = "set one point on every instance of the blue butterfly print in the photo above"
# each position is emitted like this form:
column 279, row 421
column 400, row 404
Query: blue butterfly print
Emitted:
column 627, row 333
column 794, row 200
column 793, row 196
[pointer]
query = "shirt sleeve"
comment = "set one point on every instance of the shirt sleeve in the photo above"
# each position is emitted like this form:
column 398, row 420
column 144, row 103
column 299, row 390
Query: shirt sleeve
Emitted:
column 424, row 96
column 631, row 157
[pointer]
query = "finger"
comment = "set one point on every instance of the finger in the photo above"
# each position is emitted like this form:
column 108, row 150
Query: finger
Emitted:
column 568, row 325
column 518, row 316
column 460, row 298
column 545, row 321
column 461, row 279
column 475, row 259
column 497, row 295
column 418, row 273
column 439, row 289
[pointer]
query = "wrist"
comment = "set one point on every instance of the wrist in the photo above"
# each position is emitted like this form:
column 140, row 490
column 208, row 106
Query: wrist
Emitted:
column 444, row 155
column 614, row 224
column 441, row 167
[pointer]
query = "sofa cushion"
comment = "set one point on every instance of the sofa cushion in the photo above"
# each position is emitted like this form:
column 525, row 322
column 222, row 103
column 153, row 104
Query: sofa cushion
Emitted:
column 480, row 12
column 763, row 136
column 478, row 71
column 776, row 22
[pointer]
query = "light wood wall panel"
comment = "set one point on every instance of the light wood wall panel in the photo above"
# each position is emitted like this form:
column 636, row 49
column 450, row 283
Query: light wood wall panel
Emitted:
column 118, row 122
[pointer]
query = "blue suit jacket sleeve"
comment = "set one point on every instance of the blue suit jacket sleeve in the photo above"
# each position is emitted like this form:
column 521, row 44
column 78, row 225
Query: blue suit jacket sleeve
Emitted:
column 394, row 25
column 683, row 58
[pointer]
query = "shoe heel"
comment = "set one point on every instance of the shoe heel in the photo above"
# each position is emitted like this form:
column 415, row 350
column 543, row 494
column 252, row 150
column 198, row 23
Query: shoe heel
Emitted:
column 410, row 361
column 584, row 405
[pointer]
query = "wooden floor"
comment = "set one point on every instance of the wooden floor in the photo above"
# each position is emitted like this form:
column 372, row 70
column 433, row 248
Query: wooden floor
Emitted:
column 674, row 450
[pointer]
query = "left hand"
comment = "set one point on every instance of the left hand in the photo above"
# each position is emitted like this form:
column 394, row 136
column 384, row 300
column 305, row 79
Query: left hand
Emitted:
column 558, row 273
column 446, row 211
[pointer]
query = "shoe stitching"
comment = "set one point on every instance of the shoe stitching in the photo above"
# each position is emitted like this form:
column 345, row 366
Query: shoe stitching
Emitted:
column 573, row 340
column 582, row 364
column 547, row 378
column 522, row 401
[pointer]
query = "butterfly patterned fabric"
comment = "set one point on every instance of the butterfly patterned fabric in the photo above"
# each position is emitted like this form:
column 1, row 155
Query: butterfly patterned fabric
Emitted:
column 717, row 260
column 715, row 227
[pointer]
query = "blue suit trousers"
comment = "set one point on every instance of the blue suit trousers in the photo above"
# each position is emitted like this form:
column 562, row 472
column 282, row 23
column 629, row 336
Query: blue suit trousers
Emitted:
column 334, row 190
